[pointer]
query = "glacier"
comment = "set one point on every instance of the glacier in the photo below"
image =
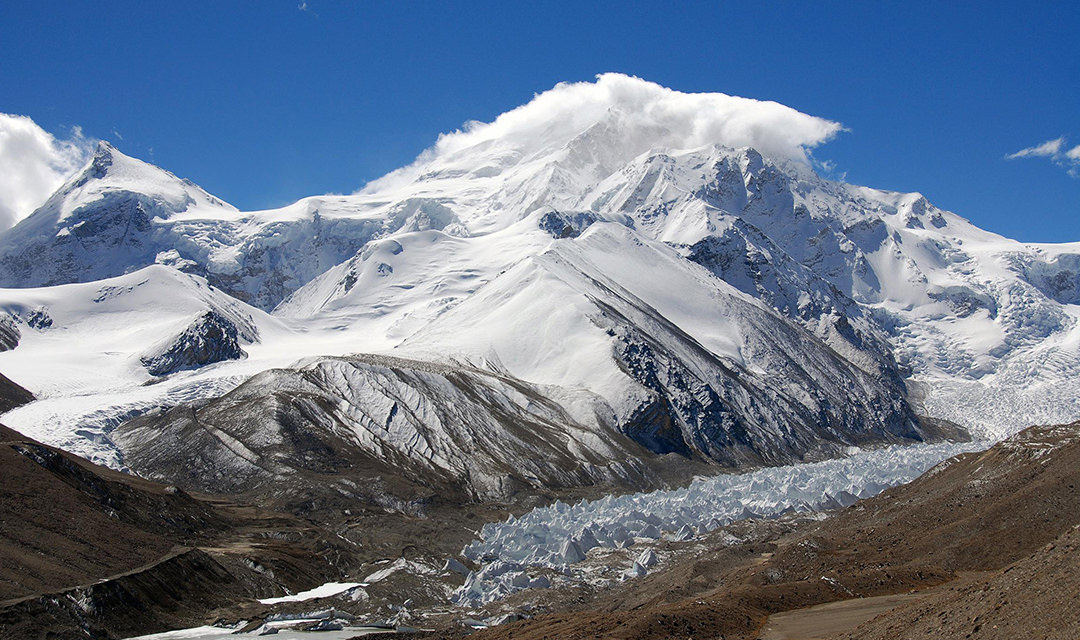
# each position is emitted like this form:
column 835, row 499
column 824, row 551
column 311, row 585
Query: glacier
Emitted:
column 559, row 536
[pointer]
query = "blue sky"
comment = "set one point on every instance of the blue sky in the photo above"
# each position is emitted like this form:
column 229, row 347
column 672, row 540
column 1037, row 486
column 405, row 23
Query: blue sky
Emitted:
column 264, row 102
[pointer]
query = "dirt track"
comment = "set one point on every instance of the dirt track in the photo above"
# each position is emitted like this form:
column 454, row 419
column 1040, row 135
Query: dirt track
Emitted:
column 826, row 620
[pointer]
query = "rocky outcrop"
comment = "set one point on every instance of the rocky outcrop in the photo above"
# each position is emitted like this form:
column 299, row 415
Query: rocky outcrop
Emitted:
column 9, row 333
column 566, row 225
column 210, row 338
column 12, row 395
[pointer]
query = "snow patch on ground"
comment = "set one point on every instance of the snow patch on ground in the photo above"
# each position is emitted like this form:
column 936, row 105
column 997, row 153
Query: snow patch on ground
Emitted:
column 322, row 591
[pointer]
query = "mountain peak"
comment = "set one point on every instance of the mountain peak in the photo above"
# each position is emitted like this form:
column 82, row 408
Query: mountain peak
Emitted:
column 101, row 160
column 110, row 170
column 104, row 148
column 111, row 164
column 623, row 116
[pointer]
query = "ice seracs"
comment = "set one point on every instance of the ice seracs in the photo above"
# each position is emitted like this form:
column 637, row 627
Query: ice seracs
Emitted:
column 550, row 537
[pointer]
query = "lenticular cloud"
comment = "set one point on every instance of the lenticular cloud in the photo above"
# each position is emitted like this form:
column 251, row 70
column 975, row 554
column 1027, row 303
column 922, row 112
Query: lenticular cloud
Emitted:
column 648, row 116
column 33, row 164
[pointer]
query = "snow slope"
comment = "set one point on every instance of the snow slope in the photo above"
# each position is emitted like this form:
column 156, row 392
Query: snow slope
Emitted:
column 673, row 255
column 82, row 348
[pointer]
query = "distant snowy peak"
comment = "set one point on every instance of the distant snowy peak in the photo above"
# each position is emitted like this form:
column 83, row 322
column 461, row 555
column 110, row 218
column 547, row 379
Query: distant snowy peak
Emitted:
column 119, row 215
column 100, row 223
column 110, row 172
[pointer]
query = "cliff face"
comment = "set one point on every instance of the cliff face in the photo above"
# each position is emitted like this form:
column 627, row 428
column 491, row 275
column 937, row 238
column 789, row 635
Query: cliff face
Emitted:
column 208, row 339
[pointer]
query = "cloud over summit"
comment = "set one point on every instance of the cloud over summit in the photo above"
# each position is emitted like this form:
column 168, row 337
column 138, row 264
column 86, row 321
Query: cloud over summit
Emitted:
column 33, row 164
column 646, row 115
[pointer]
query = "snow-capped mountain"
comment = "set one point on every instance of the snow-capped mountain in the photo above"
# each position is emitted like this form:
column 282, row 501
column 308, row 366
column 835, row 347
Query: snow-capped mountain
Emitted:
column 665, row 270
column 120, row 214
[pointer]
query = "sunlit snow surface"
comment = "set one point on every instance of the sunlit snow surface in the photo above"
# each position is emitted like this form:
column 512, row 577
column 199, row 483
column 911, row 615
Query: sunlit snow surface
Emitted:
column 324, row 591
column 560, row 535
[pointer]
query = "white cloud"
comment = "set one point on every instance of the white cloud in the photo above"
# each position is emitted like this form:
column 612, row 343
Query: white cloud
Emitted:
column 1048, row 149
column 648, row 116
column 33, row 164
column 1053, row 149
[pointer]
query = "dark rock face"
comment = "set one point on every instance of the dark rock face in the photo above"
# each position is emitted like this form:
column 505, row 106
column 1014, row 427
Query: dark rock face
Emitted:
column 566, row 225
column 210, row 338
column 9, row 333
column 12, row 395
column 703, row 407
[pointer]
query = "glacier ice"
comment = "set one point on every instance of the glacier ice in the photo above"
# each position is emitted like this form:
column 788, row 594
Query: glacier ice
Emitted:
column 551, row 537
